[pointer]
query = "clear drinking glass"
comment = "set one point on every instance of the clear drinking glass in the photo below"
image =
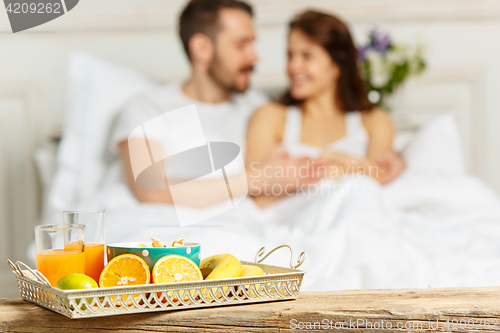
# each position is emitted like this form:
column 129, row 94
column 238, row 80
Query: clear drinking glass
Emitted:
column 59, row 250
column 94, row 239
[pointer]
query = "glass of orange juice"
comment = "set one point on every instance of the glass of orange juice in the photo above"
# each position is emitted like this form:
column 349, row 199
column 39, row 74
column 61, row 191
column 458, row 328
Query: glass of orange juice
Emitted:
column 59, row 250
column 94, row 238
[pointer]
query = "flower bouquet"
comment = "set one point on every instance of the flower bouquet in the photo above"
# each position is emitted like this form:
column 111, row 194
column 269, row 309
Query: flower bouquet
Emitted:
column 385, row 64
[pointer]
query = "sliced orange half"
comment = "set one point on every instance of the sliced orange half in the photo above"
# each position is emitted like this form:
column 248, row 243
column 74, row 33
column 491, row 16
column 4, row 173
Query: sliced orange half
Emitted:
column 125, row 270
column 174, row 268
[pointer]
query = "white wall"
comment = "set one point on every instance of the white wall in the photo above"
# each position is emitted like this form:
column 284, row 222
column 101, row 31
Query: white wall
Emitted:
column 462, row 37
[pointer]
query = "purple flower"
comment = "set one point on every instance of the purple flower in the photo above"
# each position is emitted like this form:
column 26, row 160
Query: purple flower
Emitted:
column 362, row 50
column 379, row 41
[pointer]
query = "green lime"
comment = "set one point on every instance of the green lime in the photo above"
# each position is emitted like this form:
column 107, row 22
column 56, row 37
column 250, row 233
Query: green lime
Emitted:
column 77, row 281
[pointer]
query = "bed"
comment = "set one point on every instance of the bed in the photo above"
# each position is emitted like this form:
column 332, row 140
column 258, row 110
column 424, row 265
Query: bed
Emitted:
column 140, row 35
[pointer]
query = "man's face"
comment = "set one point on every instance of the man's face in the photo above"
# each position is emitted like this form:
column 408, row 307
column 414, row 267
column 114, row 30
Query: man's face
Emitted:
column 234, row 54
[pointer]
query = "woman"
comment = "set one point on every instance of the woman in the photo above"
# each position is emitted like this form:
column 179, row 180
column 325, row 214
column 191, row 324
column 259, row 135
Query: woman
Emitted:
column 325, row 114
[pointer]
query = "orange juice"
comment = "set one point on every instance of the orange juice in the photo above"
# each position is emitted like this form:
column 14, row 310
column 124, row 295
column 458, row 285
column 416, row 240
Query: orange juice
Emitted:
column 55, row 264
column 74, row 246
column 94, row 260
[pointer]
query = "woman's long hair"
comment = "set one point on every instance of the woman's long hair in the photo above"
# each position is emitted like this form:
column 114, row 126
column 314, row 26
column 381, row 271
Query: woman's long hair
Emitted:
column 334, row 36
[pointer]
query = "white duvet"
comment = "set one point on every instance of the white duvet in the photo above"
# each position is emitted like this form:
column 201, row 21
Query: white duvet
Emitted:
column 434, row 226
column 421, row 231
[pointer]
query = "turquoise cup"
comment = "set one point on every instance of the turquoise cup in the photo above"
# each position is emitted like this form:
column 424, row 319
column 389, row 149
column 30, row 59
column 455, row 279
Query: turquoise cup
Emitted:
column 152, row 254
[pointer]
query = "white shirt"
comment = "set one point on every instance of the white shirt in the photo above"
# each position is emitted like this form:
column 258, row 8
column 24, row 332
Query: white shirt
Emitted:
column 354, row 143
column 226, row 121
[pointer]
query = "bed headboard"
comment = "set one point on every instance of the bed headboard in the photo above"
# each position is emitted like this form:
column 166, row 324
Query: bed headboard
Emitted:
column 463, row 76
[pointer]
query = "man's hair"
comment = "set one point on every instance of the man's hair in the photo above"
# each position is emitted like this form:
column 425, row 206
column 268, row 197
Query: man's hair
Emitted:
column 201, row 16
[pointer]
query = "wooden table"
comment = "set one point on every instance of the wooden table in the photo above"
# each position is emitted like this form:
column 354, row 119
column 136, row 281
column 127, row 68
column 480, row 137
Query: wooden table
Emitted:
column 412, row 310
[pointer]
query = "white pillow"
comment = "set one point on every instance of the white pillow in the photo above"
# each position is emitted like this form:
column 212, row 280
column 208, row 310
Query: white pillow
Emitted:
column 436, row 147
column 97, row 89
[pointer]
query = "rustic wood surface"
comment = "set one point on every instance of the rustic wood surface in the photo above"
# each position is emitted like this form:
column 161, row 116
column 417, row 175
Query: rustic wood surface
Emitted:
column 415, row 310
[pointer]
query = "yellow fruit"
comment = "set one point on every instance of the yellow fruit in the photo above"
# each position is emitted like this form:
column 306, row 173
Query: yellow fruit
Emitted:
column 125, row 270
column 220, row 266
column 77, row 281
column 174, row 268
column 251, row 270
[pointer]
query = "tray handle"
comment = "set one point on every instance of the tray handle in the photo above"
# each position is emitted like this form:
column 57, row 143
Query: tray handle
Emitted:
column 17, row 269
column 14, row 268
column 259, row 257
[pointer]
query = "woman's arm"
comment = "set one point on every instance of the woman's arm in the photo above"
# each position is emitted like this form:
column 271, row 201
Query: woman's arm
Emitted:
column 380, row 128
column 262, row 137
column 378, row 124
column 264, row 132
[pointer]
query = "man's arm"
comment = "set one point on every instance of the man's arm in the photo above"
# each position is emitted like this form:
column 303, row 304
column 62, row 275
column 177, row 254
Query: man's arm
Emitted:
column 195, row 194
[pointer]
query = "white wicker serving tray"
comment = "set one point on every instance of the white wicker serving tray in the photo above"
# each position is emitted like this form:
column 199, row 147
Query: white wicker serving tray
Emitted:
column 277, row 283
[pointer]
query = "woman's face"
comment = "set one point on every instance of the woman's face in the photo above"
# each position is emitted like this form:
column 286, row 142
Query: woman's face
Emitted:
column 310, row 68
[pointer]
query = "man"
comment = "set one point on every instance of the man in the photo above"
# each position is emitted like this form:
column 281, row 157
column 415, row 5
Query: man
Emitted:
column 218, row 37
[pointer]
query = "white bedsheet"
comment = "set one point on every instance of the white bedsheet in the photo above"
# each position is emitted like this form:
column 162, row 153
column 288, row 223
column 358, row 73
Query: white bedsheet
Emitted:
column 422, row 230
